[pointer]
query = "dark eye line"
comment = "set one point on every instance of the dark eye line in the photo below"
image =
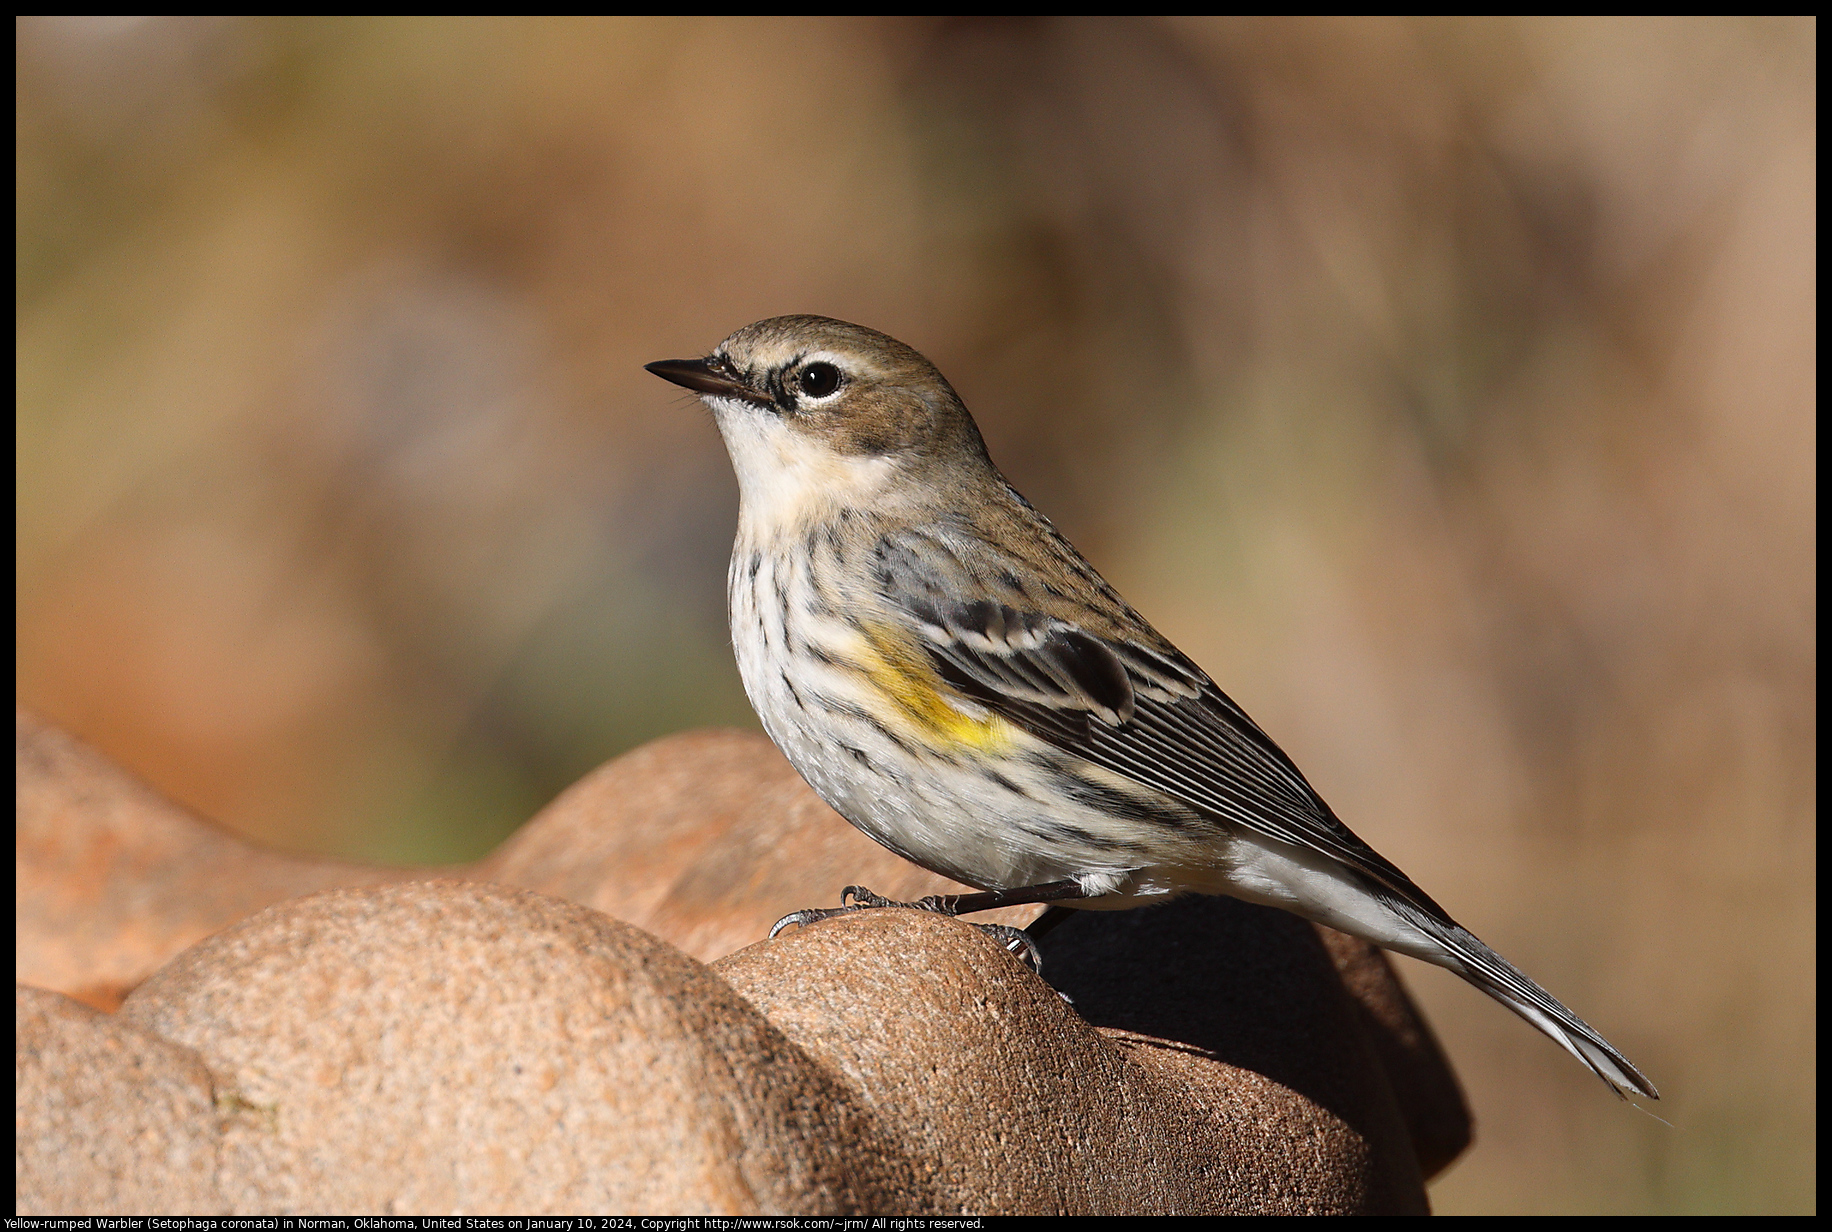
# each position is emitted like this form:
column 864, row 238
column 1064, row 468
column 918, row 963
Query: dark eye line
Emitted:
column 775, row 384
column 778, row 385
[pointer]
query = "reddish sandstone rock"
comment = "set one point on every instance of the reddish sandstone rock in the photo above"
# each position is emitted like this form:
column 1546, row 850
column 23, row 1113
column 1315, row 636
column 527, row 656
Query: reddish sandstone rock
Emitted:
column 110, row 1118
column 113, row 879
column 1425, row 1087
column 1019, row 1105
column 1241, row 1007
column 439, row 1047
column 452, row 1047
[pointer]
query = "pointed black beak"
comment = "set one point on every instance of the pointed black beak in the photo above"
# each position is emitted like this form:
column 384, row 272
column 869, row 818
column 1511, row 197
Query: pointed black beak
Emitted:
column 706, row 376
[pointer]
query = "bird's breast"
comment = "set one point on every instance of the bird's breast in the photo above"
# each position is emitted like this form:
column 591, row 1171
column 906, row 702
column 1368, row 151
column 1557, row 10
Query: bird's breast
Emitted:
column 818, row 656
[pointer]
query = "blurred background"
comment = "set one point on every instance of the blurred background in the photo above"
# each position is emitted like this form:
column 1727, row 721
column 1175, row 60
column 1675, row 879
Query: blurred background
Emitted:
column 1445, row 387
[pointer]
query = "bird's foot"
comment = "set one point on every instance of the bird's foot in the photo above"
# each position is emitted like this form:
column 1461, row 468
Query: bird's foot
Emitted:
column 852, row 898
column 857, row 898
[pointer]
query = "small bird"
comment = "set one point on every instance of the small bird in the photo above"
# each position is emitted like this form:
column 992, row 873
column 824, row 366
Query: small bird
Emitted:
column 951, row 675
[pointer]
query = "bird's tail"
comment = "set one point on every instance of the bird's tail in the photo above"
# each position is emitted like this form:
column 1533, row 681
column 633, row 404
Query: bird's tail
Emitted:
column 1501, row 980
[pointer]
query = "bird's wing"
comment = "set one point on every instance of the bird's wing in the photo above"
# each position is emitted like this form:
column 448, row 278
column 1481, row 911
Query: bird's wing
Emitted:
column 1140, row 710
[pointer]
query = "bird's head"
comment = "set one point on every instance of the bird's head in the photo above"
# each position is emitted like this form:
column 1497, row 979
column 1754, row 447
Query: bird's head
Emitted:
column 817, row 413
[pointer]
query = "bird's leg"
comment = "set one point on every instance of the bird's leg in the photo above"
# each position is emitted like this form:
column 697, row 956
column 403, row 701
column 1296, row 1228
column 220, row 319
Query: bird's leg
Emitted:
column 1018, row 941
column 1053, row 915
column 858, row 898
column 988, row 900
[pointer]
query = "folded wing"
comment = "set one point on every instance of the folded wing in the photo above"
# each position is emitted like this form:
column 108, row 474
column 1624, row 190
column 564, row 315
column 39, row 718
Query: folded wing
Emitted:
column 1141, row 710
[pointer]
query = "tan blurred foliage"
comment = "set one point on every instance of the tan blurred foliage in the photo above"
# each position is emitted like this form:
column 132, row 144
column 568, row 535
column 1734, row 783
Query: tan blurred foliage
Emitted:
column 1445, row 387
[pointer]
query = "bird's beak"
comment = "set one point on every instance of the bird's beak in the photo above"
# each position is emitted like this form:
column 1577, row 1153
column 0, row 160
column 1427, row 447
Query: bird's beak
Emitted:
column 706, row 376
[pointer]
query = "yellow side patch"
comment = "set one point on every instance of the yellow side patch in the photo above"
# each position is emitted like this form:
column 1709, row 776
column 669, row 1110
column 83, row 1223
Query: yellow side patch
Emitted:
column 904, row 675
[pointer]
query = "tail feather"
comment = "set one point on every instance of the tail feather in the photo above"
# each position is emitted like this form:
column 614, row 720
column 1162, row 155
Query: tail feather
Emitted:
column 1500, row 979
column 1575, row 1036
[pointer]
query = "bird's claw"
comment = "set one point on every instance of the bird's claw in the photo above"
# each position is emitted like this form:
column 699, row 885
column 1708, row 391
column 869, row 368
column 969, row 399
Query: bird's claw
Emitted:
column 1016, row 942
column 852, row 898
column 807, row 916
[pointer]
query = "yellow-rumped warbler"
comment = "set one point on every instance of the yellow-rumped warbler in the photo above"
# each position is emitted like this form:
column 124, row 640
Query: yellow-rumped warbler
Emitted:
column 952, row 677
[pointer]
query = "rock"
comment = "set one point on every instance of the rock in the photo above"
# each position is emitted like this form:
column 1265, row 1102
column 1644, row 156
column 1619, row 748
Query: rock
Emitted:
column 452, row 1047
column 110, row 1119
column 113, row 879
column 977, row 1068
column 1438, row 1119
column 1243, row 1004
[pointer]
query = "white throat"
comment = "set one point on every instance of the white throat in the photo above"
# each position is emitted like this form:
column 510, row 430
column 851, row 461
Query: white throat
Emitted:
column 787, row 479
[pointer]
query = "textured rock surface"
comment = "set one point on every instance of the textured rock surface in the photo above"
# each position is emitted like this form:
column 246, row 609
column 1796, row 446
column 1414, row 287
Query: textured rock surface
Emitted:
column 1425, row 1088
column 1241, row 1006
column 452, row 1047
column 110, row 1119
column 1186, row 1104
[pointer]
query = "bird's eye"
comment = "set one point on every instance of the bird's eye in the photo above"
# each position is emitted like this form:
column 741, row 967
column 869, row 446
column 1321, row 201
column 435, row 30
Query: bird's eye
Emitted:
column 818, row 380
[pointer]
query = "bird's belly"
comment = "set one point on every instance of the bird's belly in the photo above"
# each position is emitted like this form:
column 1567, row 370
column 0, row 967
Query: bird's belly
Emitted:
column 996, row 820
column 951, row 816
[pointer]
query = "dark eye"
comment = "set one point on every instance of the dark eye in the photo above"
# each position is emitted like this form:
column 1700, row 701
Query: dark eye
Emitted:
column 819, row 380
